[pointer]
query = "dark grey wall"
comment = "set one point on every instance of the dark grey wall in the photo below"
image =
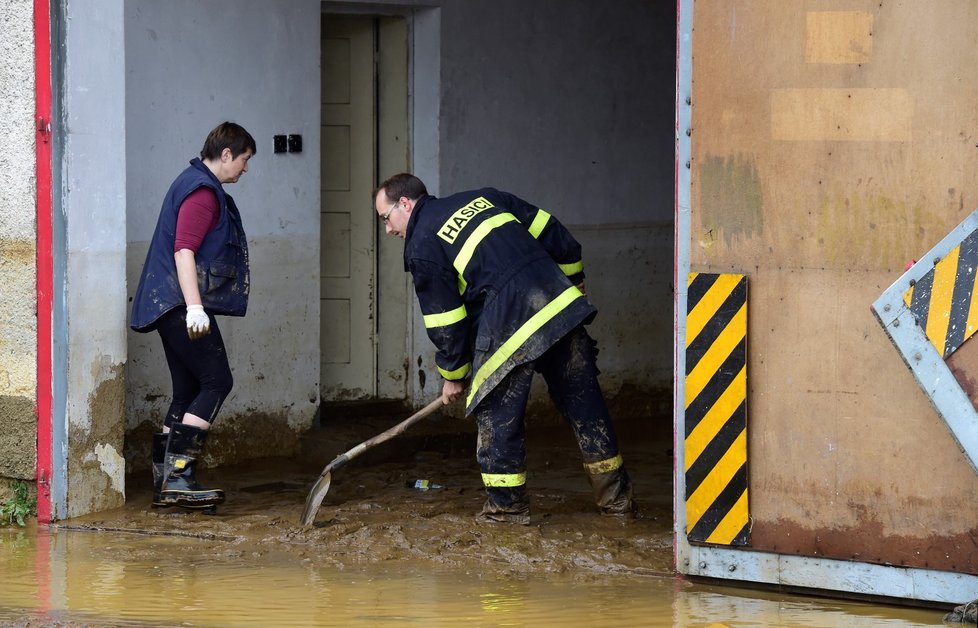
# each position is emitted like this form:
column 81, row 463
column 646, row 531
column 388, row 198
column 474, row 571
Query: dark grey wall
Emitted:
column 568, row 103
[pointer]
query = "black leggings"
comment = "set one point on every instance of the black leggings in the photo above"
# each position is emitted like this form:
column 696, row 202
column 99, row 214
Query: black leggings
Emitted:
column 199, row 368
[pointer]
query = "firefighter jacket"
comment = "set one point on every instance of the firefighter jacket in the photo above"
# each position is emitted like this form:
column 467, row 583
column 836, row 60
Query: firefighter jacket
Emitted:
column 223, row 274
column 495, row 278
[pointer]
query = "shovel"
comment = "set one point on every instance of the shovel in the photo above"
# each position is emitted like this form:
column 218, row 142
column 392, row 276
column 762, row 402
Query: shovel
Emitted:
column 318, row 492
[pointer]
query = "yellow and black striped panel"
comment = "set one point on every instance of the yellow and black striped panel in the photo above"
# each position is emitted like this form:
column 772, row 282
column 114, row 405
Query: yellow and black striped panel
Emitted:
column 943, row 301
column 716, row 410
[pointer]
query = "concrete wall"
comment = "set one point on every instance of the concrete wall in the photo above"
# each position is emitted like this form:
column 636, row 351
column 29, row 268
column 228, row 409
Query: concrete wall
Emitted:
column 93, row 202
column 189, row 66
column 826, row 153
column 18, row 346
column 570, row 104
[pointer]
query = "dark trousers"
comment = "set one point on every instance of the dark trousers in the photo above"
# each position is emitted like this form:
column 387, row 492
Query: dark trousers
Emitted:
column 570, row 370
column 199, row 368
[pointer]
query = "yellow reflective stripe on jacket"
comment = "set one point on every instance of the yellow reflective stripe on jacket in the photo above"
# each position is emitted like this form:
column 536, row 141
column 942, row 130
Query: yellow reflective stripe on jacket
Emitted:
column 572, row 269
column 445, row 318
column 468, row 249
column 458, row 373
column 539, row 222
column 526, row 330
column 503, row 479
column 603, row 466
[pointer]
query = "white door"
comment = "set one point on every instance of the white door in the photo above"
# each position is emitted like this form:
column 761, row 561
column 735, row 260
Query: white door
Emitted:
column 348, row 225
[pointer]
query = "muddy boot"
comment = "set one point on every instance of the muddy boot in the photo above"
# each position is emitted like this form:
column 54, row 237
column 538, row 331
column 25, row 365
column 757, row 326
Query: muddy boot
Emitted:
column 159, row 453
column 506, row 505
column 179, row 486
column 613, row 493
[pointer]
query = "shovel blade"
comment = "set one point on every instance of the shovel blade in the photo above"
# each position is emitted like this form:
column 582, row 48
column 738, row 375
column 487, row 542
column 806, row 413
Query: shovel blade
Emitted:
column 315, row 499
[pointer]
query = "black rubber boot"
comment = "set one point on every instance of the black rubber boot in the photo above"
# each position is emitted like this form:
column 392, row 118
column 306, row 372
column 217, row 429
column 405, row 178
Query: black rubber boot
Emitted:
column 179, row 486
column 506, row 505
column 159, row 453
column 613, row 493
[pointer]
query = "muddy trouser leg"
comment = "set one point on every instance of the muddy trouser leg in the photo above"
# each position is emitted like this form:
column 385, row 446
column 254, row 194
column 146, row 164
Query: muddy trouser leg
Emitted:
column 501, row 449
column 571, row 372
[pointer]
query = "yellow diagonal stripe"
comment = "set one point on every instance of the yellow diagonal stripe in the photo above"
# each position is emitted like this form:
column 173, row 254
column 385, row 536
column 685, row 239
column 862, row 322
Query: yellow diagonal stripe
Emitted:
column 939, row 309
column 731, row 524
column 725, row 343
column 707, row 307
column 710, row 425
column 713, row 484
column 520, row 336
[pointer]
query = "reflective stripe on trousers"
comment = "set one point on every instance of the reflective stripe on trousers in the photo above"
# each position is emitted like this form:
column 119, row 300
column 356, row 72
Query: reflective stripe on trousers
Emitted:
column 571, row 374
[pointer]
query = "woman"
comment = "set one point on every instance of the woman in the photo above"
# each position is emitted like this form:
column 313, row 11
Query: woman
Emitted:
column 196, row 267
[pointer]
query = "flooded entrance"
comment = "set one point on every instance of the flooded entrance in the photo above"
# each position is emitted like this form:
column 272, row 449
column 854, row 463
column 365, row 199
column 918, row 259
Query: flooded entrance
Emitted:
column 75, row 578
column 382, row 553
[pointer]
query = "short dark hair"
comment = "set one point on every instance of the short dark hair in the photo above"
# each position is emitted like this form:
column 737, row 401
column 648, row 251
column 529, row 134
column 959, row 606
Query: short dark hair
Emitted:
column 227, row 135
column 403, row 184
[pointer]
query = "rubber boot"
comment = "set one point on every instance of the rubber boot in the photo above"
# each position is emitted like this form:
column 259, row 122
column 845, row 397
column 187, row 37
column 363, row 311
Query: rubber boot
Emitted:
column 506, row 505
column 179, row 486
column 613, row 493
column 159, row 453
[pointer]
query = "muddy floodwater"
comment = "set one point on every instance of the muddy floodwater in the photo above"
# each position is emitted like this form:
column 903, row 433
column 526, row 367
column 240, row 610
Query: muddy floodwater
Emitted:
column 382, row 553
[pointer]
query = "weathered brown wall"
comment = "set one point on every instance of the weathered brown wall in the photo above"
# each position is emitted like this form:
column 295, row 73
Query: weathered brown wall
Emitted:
column 832, row 142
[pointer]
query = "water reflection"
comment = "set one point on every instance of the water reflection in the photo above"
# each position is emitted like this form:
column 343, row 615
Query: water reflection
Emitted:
column 112, row 579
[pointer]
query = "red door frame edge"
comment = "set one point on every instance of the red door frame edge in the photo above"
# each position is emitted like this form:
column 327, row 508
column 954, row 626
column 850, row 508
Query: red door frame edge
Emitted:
column 45, row 263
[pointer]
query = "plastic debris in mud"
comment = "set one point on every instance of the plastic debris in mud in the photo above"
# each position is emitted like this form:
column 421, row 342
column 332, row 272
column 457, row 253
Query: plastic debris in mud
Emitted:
column 423, row 485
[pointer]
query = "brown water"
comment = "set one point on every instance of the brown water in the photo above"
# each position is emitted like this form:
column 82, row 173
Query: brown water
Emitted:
column 84, row 578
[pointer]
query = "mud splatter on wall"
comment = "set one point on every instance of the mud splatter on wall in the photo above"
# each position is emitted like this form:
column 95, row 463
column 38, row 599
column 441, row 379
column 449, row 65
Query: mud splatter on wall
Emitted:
column 18, row 437
column 95, row 456
column 18, row 359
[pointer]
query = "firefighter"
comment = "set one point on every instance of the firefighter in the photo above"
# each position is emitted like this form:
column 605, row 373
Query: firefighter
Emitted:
column 500, row 283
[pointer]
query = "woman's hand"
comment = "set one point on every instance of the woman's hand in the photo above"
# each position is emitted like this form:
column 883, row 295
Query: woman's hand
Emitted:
column 198, row 324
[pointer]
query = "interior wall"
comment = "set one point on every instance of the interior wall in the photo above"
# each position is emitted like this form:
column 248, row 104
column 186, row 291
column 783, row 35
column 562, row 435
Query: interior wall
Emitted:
column 189, row 66
column 570, row 105
column 827, row 153
column 596, row 109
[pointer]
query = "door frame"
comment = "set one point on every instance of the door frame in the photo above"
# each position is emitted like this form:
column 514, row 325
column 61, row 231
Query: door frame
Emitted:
column 423, row 113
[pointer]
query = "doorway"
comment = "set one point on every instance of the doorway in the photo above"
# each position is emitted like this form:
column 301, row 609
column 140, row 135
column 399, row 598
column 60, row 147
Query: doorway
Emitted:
column 364, row 315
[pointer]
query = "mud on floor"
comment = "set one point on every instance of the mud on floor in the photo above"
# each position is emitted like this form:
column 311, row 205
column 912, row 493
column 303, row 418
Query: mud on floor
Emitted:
column 370, row 515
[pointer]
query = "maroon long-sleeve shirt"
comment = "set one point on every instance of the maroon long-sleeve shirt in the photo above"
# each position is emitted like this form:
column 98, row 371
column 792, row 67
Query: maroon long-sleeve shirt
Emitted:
column 198, row 214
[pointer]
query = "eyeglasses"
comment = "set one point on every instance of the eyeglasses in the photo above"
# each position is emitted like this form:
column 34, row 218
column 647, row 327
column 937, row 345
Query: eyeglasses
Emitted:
column 388, row 214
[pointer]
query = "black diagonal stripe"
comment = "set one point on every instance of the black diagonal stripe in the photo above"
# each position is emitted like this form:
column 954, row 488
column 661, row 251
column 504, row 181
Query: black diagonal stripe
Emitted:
column 920, row 302
column 700, row 285
column 964, row 283
column 743, row 537
column 718, row 383
column 711, row 455
column 712, row 330
column 719, row 508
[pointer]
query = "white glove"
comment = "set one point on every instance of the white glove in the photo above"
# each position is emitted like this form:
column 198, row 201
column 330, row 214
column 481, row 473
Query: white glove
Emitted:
column 198, row 324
